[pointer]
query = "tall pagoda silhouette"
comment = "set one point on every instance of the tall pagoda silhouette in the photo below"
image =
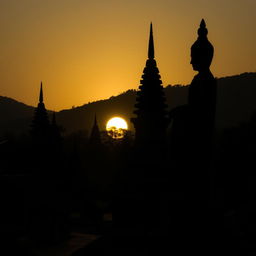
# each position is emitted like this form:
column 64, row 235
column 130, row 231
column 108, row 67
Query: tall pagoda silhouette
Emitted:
column 46, row 141
column 40, row 126
column 150, row 109
column 48, row 205
column 140, row 211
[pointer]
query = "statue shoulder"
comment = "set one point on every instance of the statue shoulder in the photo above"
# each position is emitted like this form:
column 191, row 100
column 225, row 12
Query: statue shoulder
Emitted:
column 203, row 78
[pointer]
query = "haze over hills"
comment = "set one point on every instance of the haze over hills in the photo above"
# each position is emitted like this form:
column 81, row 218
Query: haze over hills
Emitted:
column 235, row 104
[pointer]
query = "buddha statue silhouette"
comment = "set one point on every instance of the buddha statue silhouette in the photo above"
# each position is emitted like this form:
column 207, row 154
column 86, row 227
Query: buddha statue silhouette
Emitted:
column 202, row 50
column 201, row 119
column 202, row 90
column 201, row 111
column 191, row 137
column 193, row 124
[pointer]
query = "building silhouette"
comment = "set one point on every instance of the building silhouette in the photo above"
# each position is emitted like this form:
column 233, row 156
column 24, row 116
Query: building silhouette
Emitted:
column 49, row 202
column 40, row 139
column 150, row 109
column 40, row 124
column 140, row 209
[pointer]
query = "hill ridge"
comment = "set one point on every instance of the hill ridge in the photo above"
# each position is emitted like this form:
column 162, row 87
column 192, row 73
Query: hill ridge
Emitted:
column 235, row 104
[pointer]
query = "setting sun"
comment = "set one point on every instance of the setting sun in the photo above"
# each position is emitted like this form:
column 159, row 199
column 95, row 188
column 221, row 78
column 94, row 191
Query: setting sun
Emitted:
column 116, row 127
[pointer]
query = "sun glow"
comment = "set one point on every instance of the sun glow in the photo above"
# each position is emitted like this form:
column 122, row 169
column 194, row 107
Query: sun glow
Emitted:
column 116, row 127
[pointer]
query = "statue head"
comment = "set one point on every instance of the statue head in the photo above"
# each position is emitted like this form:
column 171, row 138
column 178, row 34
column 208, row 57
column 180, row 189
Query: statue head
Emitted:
column 202, row 50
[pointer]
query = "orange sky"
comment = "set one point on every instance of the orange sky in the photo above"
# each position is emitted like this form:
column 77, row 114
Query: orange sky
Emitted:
column 86, row 50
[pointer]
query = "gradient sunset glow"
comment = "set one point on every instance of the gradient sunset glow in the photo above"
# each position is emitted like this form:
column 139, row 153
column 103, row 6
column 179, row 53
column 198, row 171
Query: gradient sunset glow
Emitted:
column 85, row 50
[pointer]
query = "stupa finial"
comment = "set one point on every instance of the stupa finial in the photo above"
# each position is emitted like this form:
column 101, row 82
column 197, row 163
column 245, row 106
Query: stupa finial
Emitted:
column 151, row 51
column 41, row 97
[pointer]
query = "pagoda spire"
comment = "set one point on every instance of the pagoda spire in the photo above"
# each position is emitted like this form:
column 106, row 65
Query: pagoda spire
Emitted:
column 41, row 97
column 95, row 138
column 150, row 106
column 151, row 51
column 40, row 123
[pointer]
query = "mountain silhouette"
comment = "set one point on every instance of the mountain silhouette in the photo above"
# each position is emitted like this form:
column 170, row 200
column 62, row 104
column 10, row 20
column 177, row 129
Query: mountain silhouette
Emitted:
column 235, row 104
column 15, row 116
